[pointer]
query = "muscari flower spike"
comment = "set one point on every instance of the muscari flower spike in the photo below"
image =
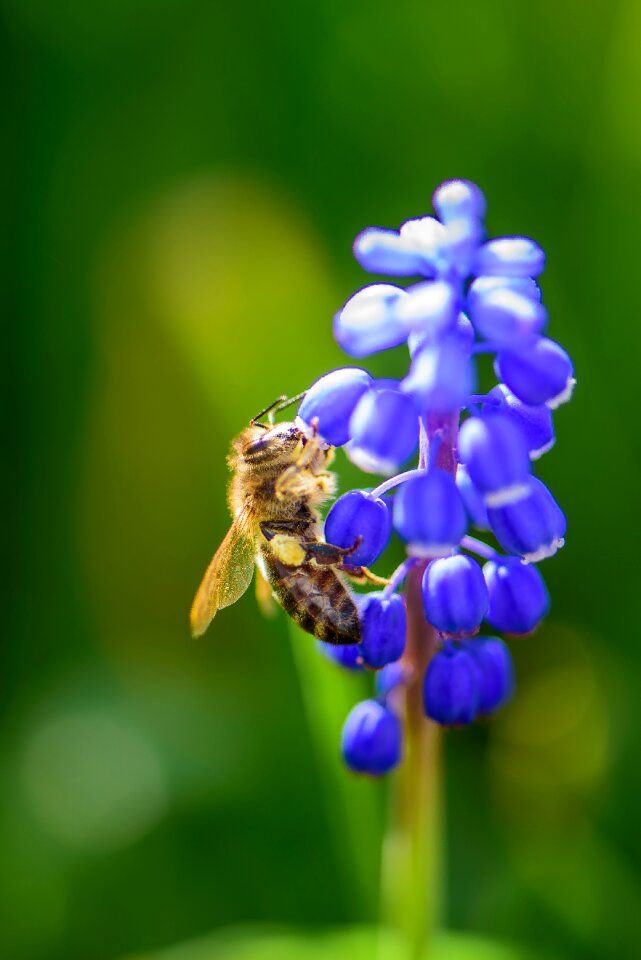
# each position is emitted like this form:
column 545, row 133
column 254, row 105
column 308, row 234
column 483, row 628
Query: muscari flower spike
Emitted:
column 459, row 294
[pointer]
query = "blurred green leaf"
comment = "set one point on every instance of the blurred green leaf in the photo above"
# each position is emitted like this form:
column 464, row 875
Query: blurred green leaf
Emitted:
column 356, row 943
column 353, row 803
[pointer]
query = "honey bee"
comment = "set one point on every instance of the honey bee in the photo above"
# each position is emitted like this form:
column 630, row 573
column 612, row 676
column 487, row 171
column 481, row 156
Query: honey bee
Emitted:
column 280, row 479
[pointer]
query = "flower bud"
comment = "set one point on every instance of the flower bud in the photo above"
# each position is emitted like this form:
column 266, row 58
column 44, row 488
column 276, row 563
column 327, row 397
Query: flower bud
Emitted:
column 441, row 376
column 506, row 316
column 389, row 252
column 539, row 372
column 425, row 236
column 509, row 257
column 518, row 596
column 455, row 596
column 384, row 431
column 462, row 332
column 330, row 401
column 481, row 286
column 354, row 515
column 462, row 239
column 458, row 200
column 372, row 739
column 472, row 499
column 429, row 514
column 383, row 626
column 495, row 453
column 496, row 669
column 535, row 423
column 368, row 322
column 532, row 528
column 430, row 308
column 346, row 655
column 452, row 686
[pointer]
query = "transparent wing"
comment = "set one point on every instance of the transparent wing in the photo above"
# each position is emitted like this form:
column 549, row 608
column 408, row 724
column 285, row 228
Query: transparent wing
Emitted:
column 227, row 576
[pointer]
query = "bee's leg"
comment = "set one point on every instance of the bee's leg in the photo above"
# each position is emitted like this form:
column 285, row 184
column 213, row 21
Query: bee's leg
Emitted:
column 269, row 528
column 288, row 549
column 298, row 482
column 314, row 459
column 327, row 553
column 318, row 454
column 290, row 483
column 364, row 575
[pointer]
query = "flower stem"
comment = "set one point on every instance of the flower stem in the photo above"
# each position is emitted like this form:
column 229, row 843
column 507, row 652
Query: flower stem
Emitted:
column 479, row 547
column 399, row 575
column 411, row 852
column 411, row 867
column 395, row 482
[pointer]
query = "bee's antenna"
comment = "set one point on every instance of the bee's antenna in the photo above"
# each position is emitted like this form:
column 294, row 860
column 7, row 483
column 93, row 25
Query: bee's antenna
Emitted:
column 269, row 409
column 281, row 403
column 287, row 402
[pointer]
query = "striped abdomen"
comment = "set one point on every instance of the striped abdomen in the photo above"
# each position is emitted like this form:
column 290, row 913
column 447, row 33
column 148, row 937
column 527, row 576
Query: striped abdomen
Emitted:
column 315, row 598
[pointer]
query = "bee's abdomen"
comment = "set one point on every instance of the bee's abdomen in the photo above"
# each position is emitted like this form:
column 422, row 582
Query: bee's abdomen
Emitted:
column 316, row 599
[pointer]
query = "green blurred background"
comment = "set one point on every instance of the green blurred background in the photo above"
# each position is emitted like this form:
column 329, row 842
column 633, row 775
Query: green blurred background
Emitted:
column 183, row 181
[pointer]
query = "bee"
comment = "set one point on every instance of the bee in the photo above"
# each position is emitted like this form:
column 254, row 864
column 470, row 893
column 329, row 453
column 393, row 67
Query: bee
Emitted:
column 280, row 479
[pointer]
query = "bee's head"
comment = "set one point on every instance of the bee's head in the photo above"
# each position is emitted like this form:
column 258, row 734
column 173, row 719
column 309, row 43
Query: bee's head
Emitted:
column 259, row 445
column 283, row 443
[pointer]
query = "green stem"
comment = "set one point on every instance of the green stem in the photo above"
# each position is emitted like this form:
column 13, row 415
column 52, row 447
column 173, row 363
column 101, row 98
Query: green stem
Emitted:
column 412, row 854
column 411, row 890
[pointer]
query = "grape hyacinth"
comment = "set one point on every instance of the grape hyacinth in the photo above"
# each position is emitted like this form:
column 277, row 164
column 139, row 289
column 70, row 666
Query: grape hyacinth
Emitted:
column 459, row 295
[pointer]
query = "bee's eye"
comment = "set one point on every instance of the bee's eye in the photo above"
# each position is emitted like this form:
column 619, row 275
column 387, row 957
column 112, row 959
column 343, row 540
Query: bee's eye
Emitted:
column 258, row 445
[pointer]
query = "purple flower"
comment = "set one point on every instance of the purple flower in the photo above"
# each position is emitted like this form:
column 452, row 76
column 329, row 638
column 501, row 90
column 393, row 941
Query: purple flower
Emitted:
column 533, row 527
column 441, row 376
column 384, row 625
column 534, row 422
column 537, row 372
column 347, row 655
column 467, row 294
column 429, row 514
column 384, row 430
column 452, row 686
column 455, row 597
column 372, row 739
column 495, row 453
column 496, row 671
column 517, row 593
column 356, row 514
column 329, row 403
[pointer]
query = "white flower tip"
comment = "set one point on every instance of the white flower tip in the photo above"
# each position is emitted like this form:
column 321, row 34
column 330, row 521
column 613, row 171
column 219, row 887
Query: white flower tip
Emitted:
column 430, row 551
column 423, row 234
column 537, row 454
column 544, row 552
column 564, row 396
column 507, row 495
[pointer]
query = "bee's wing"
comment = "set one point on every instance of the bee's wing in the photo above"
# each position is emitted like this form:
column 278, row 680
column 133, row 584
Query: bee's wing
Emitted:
column 227, row 576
